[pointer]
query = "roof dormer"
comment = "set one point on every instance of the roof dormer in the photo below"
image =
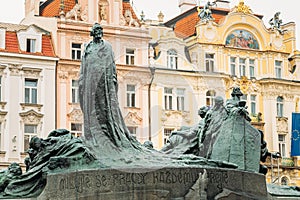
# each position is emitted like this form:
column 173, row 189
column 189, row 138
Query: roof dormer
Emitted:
column 30, row 39
column 2, row 38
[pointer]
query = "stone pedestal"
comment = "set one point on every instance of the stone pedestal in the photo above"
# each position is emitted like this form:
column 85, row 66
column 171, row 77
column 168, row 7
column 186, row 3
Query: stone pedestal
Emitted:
column 163, row 183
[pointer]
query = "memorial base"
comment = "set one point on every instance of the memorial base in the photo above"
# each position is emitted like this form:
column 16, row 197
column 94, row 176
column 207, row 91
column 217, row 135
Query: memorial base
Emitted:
column 164, row 183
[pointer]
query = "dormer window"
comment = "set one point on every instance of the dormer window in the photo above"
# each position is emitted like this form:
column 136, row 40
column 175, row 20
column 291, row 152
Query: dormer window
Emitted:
column 172, row 59
column 30, row 45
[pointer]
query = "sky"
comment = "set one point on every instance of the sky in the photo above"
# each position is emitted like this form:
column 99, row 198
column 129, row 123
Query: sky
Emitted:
column 12, row 11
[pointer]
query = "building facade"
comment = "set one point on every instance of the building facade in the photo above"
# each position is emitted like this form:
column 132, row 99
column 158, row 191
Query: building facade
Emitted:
column 70, row 23
column 213, row 54
column 27, row 91
column 166, row 71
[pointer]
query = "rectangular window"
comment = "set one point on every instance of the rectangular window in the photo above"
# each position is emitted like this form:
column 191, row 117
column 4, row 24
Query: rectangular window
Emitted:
column 75, row 90
column 278, row 68
column 180, row 99
column 167, row 133
column 209, row 62
column 282, row 146
column 232, row 65
column 30, row 45
column 76, row 51
column 251, row 68
column 0, row 136
column 132, row 131
column 29, row 132
column 242, row 66
column 168, row 98
column 130, row 95
column 253, row 104
column 129, row 57
column 279, row 107
column 76, row 129
column 31, row 91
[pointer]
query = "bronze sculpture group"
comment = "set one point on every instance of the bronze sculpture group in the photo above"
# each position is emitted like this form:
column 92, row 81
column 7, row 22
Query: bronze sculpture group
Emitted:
column 215, row 141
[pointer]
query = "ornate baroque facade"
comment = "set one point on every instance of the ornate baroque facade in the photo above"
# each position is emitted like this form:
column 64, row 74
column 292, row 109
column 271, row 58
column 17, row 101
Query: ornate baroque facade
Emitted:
column 27, row 92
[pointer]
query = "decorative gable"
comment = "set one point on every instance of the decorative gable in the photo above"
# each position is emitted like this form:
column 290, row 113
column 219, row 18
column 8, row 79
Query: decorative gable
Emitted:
column 30, row 40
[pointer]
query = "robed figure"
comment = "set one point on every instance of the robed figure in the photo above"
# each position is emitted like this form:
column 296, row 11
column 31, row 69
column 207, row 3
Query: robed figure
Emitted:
column 98, row 88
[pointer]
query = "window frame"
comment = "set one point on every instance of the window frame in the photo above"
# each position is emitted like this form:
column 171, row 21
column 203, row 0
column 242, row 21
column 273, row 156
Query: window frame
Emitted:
column 31, row 89
column 233, row 65
column 278, row 69
column 180, row 98
column 242, row 67
column 210, row 98
column 74, row 91
column 279, row 106
column 168, row 98
column 29, row 134
column 129, row 56
column 209, row 62
column 282, row 145
column 30, row 45
column 172, row 59
column 131, row 96
column 166, row 134
column 76, row 132
column 76, row 52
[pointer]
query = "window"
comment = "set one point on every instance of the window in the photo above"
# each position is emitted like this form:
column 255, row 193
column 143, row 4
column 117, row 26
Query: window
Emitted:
column 232, row 65
column 180, row 99
column 253, row 104
column 75, row 90
column 251, row 68
column 129, row 57
column 209, row 62
column 30, row 45
column 30, row 91
column 76, row 129
column 76, row 51
column 29, row 132
column 242, row 66
column 210, row 96
column 132, row 131
column 167, row 133
column 130, row 95
column 279, row 107
column 281, row 143
column 172, row 59
column 168, row 98
column 278, row 67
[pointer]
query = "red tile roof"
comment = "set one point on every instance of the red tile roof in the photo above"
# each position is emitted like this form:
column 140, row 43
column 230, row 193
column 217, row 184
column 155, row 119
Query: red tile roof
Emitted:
column 12, row 42
column 47, row 46
column 185, row 27
column 51, row 8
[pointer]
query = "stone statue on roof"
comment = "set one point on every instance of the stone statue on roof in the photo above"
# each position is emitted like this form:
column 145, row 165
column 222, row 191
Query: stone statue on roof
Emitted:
column 205, row 13
column 276, row 22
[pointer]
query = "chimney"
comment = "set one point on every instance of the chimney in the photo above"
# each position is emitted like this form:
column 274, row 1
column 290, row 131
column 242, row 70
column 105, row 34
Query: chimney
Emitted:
column 36, row 7
column 185, row 5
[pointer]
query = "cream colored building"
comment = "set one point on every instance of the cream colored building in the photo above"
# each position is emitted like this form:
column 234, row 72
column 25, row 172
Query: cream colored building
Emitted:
column 70, row 23
column 207, row 58
column 167, row 70
column 27, row 88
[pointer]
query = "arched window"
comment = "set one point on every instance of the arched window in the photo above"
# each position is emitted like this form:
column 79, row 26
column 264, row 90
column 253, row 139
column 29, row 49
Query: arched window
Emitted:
column 172, row 59
column 279, row 106
column 210, row 96
column 284, row 181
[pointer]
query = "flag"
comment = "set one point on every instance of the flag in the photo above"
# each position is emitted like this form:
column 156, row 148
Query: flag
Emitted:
column 295, row 143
